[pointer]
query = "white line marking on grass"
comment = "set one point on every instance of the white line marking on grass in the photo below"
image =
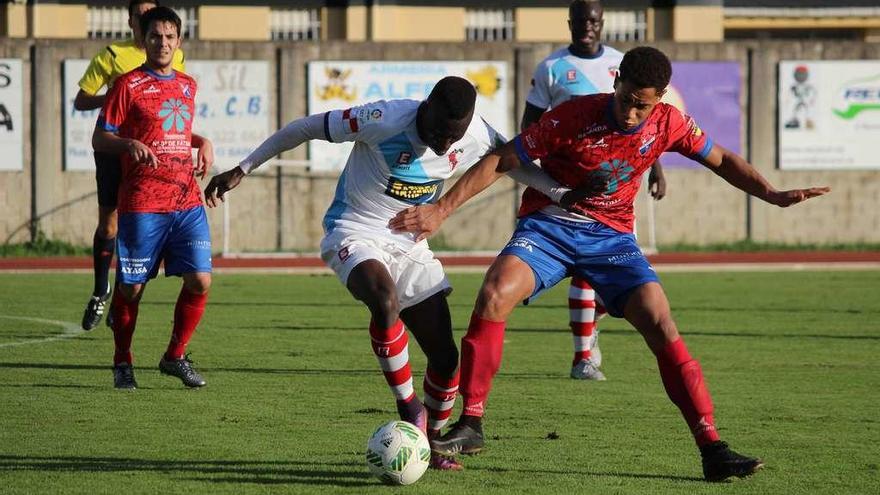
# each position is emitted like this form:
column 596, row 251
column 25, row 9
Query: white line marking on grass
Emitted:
column 68, row 329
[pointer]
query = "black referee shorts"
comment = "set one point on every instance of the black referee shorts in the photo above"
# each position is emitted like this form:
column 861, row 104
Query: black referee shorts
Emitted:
column 108, row 174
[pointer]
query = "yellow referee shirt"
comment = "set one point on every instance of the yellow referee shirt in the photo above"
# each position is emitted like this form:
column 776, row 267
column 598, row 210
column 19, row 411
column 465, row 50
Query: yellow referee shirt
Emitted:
column 117, row 59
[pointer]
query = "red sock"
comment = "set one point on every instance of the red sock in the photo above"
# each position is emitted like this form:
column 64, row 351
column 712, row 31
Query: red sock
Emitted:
column 440, row 392
column 685, row 386
column 481, row 350
column 187, row 315
column 583, row 317
column 124, row 320
column 391, row 348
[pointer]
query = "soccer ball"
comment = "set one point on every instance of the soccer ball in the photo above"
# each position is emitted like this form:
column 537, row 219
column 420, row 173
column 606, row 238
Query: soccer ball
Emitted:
column 398, row 453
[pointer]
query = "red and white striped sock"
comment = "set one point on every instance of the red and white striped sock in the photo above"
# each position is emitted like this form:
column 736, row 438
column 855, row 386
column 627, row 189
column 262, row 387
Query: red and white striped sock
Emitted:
column 440, row 393
column 391, row 349
column 584, row 315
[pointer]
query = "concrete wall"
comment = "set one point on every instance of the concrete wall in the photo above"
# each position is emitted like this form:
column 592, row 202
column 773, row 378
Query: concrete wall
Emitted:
column 283, row 210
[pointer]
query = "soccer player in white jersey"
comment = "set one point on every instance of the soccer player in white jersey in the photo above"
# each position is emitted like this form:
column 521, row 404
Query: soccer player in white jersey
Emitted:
column 584, row 67
column 404, row 151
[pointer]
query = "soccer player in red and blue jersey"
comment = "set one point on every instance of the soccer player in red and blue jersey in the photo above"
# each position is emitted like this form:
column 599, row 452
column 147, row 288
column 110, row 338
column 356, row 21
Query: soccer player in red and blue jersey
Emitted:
column 606, row 142
column 147, row 119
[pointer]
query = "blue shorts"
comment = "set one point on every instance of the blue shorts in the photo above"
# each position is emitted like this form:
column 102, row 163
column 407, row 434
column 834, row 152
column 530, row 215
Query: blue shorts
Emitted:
column 181, row 238
column 554, row 248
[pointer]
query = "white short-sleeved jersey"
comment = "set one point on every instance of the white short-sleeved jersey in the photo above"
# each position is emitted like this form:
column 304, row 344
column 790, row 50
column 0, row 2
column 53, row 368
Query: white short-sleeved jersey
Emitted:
column 562, row 76
column 389, row 168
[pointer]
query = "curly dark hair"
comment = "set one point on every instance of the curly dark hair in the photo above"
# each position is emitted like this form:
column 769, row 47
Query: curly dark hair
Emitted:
column 134, row 3
column 646, row 67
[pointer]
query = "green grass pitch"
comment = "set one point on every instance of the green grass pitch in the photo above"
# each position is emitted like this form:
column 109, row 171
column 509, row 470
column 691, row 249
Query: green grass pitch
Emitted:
column 294, row 391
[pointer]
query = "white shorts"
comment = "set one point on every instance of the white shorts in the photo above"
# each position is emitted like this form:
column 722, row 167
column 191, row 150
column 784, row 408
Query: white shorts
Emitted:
column 417, row 274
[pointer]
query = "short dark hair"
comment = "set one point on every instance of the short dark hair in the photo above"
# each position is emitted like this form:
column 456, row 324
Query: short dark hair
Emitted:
column 161, row 14
column 134, row 3
column 584, row 3
column 456, row 95
column 646, row 67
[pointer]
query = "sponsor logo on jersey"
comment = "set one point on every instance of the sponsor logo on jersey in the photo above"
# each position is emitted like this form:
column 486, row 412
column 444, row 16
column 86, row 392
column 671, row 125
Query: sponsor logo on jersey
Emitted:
column 412, row 193
column 694, row 128
column 405, row 158
column 598, row 144
column 176, row 114
column 152, row 89
column 614, row 173
column 375, row 114
column 571, row 75
column 138, row 81
column 593, row 129
column 646, row 145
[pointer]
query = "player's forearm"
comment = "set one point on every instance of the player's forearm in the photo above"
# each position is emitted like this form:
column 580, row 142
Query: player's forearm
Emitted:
column 107, row 142
column 482, row 175
column 742, row 175
column 291, row 136
column 534, row 177
column 85, row 101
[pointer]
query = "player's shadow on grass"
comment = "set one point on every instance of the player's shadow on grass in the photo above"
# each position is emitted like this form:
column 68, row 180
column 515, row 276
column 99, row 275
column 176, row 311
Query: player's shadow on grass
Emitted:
column 604, row 474
column 213, row 471
column 631, row 332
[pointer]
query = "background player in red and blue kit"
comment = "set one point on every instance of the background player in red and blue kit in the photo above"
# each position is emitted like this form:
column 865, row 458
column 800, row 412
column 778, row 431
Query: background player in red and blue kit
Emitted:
column 607, row 140
column 147, row 119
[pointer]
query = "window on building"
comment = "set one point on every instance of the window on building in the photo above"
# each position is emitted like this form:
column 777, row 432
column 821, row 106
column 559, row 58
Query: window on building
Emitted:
column 625, row 25
column 295, row 24
column 111, row 22
column 489, row 24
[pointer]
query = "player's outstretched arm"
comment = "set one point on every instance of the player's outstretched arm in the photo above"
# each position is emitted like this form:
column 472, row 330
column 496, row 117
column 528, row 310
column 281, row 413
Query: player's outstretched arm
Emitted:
column 292, row 135
column 424, row 220
column 107, row 142
column 742, row 175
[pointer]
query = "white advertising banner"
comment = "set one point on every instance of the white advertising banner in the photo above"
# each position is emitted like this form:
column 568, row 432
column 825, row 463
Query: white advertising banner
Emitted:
column 11, row 115
column 78, row 126
column 829, row 114
column 231, row 110
column 342, row 84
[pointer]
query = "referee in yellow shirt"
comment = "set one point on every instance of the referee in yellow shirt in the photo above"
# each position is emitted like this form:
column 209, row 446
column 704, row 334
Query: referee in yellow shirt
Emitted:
column 111, row 62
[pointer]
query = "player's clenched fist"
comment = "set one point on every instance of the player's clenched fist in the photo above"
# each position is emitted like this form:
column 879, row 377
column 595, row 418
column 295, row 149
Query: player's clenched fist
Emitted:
column 222, row 183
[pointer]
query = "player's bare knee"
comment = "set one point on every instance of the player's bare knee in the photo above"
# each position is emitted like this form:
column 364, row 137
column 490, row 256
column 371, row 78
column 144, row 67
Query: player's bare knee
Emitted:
column 106, row 230
column 130, row 292
column 494, row 302
column 384, row 306
column 199, row 283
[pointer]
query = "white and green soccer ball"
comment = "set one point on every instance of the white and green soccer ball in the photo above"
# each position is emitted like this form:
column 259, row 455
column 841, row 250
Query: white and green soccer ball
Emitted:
column 398, row 453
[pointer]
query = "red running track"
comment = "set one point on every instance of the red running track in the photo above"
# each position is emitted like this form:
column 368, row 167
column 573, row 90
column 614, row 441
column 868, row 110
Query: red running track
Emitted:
column 805, row 257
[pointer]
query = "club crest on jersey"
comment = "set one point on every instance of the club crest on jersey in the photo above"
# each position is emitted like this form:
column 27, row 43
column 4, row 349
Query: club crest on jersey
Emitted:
column 184, row 88
column 571, row 75
column 414, row 193
column 646, row 145
column 453, row 157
